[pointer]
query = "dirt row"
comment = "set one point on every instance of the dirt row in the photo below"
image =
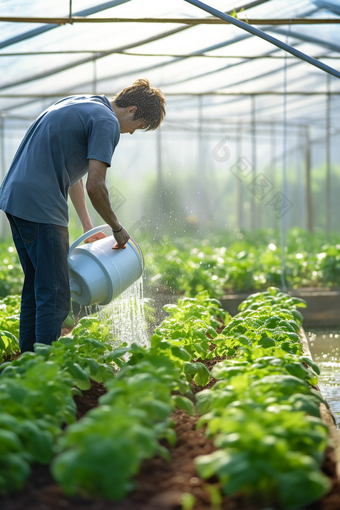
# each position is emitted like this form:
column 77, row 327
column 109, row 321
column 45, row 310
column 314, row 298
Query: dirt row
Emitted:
column 160, row 484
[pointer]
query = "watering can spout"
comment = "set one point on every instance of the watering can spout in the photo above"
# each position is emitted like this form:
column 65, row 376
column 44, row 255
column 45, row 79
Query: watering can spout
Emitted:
column 98, row 273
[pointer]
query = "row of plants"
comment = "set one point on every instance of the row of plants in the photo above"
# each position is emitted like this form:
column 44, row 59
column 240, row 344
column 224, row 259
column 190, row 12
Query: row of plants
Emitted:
column 150, row 384
column 243, row 261
column 234, row 260
column 36, row 393
column 9, row 327
column 36, row 401
column 11, row 276
column 262, row 413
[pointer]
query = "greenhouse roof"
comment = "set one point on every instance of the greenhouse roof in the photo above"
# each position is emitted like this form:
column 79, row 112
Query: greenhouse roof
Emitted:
column 50, row 50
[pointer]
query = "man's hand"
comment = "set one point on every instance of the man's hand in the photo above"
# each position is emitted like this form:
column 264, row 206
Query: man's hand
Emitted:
column 122, row 238
column 95, row 237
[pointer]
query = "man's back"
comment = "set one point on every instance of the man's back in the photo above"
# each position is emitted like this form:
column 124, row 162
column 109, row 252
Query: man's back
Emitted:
column 54, row 155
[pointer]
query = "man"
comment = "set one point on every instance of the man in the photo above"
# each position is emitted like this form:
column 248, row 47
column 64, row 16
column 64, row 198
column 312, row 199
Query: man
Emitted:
column 75, row 136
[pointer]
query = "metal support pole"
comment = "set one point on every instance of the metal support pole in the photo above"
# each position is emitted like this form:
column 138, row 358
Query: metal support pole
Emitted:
column 265, row 36
column 254, row 208
column 239, row 183
column 299, row 190
column 159, row 157
column 201, row 203
column 159, row 185
column 70, row 13
column 284, row 177
column 272, row 166
column 94, row 76
column 309, row 204
column 328, row 160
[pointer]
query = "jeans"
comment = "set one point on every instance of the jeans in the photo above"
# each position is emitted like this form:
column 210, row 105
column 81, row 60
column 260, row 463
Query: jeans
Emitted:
column 45, row 300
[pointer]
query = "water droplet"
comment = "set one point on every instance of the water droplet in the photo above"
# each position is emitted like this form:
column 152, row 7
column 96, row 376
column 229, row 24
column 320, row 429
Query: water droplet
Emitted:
column 127, row 317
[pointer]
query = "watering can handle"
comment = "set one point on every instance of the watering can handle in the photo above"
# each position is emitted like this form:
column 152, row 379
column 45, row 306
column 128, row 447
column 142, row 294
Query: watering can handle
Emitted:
column 89, row 234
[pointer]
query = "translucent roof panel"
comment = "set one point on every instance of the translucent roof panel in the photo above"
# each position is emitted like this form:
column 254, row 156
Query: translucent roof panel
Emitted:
column 41, row 62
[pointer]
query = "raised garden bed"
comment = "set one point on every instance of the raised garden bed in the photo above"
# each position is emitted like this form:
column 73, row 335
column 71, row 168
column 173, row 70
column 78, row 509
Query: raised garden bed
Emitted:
column 161, row 484
column 323, row 306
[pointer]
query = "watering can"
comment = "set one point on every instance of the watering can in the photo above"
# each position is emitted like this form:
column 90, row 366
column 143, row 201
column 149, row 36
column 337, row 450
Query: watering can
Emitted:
column 98, row 274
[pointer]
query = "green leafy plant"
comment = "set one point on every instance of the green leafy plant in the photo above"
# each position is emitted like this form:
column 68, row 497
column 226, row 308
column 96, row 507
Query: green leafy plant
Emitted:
column 262, row 413
column 188, row 501
column 11, row 274
column 9, row 326
column 219, row 263
column 112, row 440
column 80, row 361
column 35, row 401
column 150, row 384
column 109, row 444
column 272, row 454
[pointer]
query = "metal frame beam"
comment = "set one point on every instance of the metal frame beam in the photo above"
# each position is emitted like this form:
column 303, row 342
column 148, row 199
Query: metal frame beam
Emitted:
column 177, row 94
column 46, row 28
column 307, row 38
column 265, row 36
column 182, row 21
column 105, row 53
column 172, row 55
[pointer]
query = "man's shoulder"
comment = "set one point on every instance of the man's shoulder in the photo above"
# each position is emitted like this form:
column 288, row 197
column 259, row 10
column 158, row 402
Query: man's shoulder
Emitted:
column 84, row 110
column 85, row 102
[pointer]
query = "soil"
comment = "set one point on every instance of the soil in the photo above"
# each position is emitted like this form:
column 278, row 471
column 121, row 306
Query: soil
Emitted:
column 221, row 327
column 160, row 484
column 12, row 357
column 209, row 363
column 89, row 399
column 66, row 330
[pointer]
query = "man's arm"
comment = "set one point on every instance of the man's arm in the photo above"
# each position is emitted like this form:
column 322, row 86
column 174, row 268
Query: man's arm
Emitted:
column 99, row 196
column 77, row 196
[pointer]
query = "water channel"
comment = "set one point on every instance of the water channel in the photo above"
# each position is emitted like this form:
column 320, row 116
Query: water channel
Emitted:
column 325, row 349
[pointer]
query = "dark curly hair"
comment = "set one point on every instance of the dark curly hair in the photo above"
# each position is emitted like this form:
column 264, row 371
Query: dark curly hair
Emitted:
column 149, row 101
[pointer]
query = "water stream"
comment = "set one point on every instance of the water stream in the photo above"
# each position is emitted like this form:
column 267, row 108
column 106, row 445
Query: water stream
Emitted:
column 325, row 350
column 127, row 317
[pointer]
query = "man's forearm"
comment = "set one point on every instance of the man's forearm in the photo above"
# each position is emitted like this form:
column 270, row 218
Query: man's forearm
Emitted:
column 77, row 196
column 99, row 197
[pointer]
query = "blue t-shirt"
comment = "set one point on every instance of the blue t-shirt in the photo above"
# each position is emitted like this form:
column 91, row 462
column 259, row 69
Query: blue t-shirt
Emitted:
column 54, row 155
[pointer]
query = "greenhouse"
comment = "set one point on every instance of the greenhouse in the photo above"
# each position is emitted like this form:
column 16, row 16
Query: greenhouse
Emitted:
column 170, row 300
